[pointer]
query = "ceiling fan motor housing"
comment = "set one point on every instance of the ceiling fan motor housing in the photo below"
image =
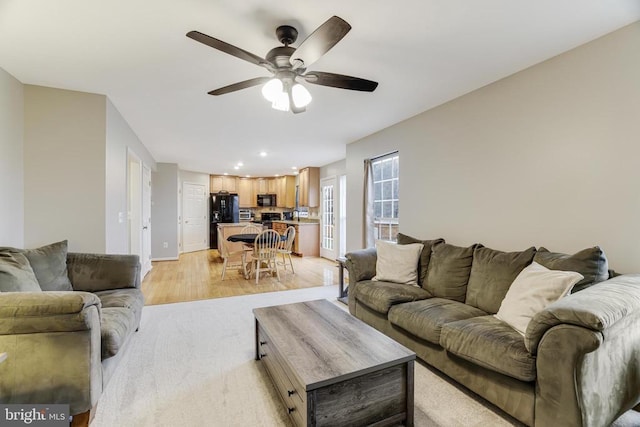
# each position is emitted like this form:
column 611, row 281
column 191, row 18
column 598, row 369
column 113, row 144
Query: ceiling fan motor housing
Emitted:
column 279, row 56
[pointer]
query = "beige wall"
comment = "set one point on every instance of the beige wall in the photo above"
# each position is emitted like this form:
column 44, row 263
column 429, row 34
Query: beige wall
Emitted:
column 120, row 140
column 11, row 166
column 548, row 156
column 64, row 164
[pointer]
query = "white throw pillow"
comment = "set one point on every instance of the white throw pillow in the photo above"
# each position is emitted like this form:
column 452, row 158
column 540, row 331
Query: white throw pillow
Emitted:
column 532, row 290
column 398, row 263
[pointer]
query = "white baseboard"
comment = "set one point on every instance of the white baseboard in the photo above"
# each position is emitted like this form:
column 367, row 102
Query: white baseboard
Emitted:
column 165, row 259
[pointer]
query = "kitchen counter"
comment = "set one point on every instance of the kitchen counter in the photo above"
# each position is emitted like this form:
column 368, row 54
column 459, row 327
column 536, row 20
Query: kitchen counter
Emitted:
column 303, row 222
column 307, row 241
column 234, row 224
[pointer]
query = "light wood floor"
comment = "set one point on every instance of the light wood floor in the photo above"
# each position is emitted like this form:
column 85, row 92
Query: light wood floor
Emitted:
column 196, row 276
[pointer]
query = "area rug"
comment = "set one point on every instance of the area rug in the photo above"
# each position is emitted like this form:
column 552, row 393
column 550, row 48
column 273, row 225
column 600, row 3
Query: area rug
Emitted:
column 192, row 364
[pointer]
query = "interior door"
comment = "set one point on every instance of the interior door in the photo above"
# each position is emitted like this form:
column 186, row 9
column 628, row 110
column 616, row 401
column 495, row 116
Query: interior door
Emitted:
column 328, row 242
column 194, row 217
column 146, row 220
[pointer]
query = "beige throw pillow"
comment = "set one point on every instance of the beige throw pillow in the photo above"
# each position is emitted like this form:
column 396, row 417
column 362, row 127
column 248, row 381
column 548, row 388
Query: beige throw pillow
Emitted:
column 397, row 263
column 532, row 290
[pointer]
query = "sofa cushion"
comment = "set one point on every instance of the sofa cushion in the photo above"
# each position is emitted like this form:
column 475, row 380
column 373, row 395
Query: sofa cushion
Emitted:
column 116, row 324
column 491, row 343
column 16, row 274
column 397, row 263
column 380, row 296
column 49, row 263
column 535, row 288
column 127, row 298
column 425, row 255
column 425, row 318
column 449, row 270
column 591, row 263
column 492, row 273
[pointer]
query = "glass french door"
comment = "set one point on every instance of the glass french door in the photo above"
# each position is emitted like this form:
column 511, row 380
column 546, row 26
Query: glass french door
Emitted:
column 328, row 219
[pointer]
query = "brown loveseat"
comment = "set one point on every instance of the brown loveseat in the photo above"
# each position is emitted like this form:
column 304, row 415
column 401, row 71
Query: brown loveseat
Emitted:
column 578, row 364
column 64, row 321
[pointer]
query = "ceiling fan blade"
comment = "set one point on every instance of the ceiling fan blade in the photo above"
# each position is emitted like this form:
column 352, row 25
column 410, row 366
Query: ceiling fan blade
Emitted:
column 319, row 42
column 228, row 48
column 340, row 81
column 240, row 85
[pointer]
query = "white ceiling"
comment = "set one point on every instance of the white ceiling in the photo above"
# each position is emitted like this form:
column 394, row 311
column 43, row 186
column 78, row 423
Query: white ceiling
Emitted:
column 422, row 52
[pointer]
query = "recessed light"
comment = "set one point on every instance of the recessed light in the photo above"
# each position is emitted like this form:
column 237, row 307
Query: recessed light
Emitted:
column 226, row 173
column 236, row 167
column 263, row 154
column 248, row 176
column 240, row 164
column 294, row 168
column 277, row 174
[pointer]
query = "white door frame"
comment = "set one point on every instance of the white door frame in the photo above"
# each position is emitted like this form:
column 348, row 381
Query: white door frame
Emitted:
column 330, row 253
column 204, row 241
column 134, row 204
column 146, row 220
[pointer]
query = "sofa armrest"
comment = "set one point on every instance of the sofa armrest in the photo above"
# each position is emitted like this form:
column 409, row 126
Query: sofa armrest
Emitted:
column 102, row 272
column 34, row 312
column 361, row 264
column 597, row 308
column 52, row 340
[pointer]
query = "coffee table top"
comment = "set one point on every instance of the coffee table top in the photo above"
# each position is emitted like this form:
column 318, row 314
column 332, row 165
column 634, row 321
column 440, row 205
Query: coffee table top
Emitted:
column 323, row 345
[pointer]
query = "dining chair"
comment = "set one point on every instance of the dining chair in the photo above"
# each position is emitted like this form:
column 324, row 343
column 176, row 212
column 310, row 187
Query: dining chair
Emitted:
column 265, row 251
column 286, row 247
column 231, row 257
column 251, row 229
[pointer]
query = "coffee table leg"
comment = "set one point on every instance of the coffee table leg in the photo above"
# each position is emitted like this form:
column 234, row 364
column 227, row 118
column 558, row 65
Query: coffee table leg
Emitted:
column 409, row 421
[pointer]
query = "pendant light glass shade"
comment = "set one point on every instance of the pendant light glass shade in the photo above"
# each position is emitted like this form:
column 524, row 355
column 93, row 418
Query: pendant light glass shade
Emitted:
column 281, row 102
column 301, row 96
column 272, row 89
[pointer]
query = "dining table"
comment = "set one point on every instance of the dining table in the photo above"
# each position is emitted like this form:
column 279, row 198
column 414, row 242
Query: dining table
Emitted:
column 248, row 239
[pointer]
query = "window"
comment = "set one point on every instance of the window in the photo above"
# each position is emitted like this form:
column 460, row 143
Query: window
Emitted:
column 385, row 172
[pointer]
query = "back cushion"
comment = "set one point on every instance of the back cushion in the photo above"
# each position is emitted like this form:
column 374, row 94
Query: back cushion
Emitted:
column 425, row 256
column 591, row 263
column 49, row 263
column 449, row 270
column 491, row 275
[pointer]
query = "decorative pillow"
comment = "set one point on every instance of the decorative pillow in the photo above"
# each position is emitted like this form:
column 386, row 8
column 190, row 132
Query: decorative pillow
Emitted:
column 425, row 256
column 16, row 274
column 492, row 273
column 535, row 288
column 49, row 264
column 449, row 270
column 591, row 263
column 397, row 263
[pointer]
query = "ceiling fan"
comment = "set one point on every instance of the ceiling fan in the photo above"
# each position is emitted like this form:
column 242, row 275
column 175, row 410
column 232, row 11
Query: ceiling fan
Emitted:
column 289, row 65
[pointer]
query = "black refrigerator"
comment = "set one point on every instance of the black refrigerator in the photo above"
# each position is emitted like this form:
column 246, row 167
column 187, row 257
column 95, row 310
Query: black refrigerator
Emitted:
column 224, row 208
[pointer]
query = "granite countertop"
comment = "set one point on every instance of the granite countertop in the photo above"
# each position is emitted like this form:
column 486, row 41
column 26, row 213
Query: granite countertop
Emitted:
column 303, row 222
column 233, row 224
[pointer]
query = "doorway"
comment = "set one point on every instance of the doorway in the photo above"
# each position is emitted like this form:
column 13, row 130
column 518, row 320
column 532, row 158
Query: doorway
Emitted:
column 194, row 217
column 328, row 247
column 139, row 211
column 146, row 220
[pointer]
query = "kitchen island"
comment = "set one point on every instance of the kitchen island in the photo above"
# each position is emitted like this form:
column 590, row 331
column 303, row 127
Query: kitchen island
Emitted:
column 307, row 241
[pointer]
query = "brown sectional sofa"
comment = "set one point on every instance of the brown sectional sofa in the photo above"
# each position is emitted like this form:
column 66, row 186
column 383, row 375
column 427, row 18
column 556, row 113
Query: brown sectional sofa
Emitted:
column 578, row 363
column 65, row 331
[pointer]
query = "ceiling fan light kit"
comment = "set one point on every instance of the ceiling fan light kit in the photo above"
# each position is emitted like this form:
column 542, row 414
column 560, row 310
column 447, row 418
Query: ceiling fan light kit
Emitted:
column 289, row 64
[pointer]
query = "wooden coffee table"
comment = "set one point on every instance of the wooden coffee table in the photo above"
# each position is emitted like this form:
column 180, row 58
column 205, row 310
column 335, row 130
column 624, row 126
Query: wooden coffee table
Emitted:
column 332, row 369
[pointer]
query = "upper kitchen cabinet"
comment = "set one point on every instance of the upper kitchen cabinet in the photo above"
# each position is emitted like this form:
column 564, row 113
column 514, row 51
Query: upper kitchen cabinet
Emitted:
column 285, row 190
column 309, row 187
column 246, row 193
column 223, row 183
column 261, row 185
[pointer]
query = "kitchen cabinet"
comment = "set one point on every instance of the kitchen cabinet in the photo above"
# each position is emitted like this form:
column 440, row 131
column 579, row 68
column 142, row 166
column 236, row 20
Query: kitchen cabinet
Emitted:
column 219, row 183
column 307, row 241
column 309, row 187
column 285, row 190
column 246, row 193
column 272, row 186
column 261, row 186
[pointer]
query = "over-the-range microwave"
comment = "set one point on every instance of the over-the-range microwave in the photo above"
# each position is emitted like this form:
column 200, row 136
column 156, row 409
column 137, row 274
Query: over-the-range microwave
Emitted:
column 266, row 200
